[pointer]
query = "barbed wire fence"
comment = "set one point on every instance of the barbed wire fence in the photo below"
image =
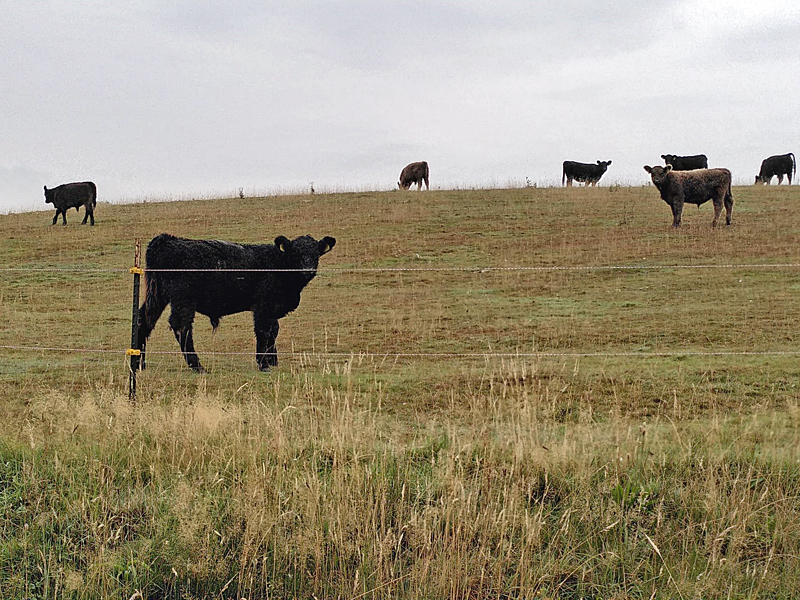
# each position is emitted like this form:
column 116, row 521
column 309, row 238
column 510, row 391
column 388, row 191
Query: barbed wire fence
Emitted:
column 137, row 271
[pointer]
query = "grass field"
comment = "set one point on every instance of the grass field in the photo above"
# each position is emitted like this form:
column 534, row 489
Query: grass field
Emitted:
column 437, row 427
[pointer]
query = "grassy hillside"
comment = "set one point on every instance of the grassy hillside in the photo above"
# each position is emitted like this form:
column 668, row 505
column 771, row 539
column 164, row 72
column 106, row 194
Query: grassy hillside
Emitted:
column 438, row 426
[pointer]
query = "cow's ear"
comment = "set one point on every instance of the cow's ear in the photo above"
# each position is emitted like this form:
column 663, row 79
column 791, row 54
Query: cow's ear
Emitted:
column 648, row 169
column 326, row 244
column 282, row 243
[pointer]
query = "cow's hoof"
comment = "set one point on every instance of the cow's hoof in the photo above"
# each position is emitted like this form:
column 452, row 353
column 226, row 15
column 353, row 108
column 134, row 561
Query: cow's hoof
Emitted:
column 263, row 368
column 200, row 370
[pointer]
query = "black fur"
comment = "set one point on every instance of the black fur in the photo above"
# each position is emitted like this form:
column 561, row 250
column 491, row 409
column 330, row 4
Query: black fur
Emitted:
column 270, row 295
column 72, row 195
column 780, row 165
column 686, row 163
column 588, row 173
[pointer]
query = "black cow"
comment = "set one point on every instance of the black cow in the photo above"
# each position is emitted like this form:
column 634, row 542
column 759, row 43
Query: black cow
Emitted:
column 208, row 288
column 780, row 165
column 416, row 172
column 586, row 172
column 686, row 163
column 72, row 195
column 693, row 187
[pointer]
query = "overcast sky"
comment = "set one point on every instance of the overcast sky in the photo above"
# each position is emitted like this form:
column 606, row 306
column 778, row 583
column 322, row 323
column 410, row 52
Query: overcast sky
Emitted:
column 174, row 99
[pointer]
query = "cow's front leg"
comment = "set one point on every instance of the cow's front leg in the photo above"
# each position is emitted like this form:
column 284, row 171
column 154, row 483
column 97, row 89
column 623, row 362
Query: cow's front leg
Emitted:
column 677, row 212
column 181, row 322
column 55, row 217
column 266, row 329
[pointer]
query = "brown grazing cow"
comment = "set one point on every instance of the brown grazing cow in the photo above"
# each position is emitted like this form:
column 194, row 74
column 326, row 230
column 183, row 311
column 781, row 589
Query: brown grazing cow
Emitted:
column 72, row 195
column 693, row 187
column 416, row 172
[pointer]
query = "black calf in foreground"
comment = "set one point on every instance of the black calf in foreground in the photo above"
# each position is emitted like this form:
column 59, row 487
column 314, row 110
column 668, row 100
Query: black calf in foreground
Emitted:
column 195, row 276
column 72, row 195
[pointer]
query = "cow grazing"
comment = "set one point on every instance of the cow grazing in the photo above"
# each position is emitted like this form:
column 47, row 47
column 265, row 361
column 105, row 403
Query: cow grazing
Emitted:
column 693, row 187
column 416, row 172
column 686, row 163
column 588, row 173
column 72, row 195
column 780, row 165
column 212, row 289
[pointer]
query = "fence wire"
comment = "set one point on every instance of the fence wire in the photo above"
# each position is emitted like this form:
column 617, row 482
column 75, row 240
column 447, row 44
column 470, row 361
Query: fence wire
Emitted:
column 476, row 269
column 400, row 355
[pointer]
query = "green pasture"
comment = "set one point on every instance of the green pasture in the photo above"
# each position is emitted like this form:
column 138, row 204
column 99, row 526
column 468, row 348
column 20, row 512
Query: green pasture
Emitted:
column 521, row 393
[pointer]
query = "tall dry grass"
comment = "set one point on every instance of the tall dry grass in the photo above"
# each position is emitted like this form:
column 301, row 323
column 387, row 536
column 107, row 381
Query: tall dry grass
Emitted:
column 363, row 474
column 315, row 491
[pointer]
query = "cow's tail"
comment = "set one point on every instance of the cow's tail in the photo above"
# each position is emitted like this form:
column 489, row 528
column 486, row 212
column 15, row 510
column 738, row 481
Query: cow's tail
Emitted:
column 794, row 166
column 94, row 194
column 153, row 305
column 563, row 175
column 155, row 301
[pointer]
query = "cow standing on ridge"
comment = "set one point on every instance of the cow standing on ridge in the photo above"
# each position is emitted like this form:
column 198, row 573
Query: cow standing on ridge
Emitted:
column 686, row 163
column 217, row 278
column 416, row 172
column 72, row 195
column 585, row 172
column 693, row 187
column 780, row 165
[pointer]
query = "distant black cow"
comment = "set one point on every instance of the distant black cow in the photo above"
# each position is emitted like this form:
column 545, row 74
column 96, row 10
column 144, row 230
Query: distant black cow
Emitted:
column 416, row 172
column 586, row 172
column 686, row 163
column 215, row 292
column 693, row 187
column 780, row 165
column 72, row 195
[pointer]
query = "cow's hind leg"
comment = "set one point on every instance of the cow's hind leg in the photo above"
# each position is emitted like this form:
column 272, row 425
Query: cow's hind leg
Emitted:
column 149, row 312
column 266, row 330
column 89, row 214
column 728, row 207
column 181, row 320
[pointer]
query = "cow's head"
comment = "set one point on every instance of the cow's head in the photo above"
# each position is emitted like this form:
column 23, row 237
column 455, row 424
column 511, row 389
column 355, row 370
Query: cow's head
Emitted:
column 604, row 164
column 406, row 186
column 761, row 180
column 658, row 174
column 304, row 252
column 49, row 196
column 668, row 158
